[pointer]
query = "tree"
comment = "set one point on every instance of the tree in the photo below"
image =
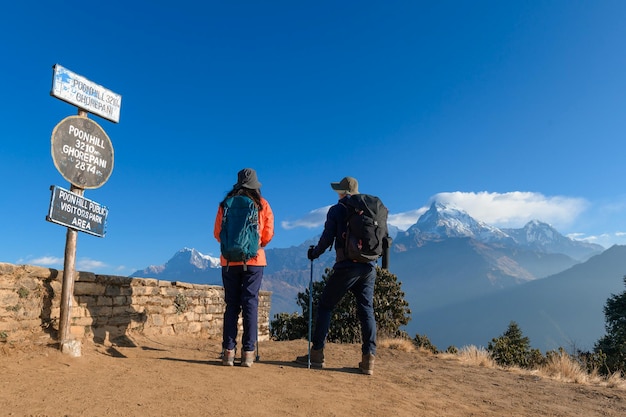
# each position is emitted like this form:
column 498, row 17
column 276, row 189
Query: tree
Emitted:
column 391, row 311
column 422, row 341
column 287, row 326
column 512, row 348
column 613, row 344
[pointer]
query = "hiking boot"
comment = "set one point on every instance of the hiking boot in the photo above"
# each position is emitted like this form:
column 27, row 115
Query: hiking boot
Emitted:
column 317, row 358
column 366, row 365
column 247, row 358
column 228, row 357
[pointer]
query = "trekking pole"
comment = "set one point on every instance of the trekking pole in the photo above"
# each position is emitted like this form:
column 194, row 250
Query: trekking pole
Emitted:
column 310, row 310
column 258, row 357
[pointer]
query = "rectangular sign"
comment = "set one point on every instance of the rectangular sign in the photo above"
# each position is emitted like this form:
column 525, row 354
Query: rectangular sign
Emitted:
column 79, row 91
column 75, row 211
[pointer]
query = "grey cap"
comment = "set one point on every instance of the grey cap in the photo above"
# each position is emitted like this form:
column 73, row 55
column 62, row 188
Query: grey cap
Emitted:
column 246, row 178
column 348, row 184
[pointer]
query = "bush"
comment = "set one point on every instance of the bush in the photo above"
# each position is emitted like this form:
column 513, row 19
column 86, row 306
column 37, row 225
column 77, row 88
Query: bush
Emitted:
column 287, row 326
column 453, row 350
column 592, row 361
column 512, row 348
column 423, row 342
column 391, row 310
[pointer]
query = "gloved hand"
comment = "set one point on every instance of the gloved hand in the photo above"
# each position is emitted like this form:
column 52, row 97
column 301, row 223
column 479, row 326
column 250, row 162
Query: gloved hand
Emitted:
column 311, row 253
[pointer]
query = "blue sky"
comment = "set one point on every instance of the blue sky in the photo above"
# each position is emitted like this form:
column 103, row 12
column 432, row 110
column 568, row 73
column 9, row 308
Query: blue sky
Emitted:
column 511, row 110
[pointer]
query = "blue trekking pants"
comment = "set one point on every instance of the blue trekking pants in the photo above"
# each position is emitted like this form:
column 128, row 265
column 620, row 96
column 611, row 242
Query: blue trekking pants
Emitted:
column 358, row 278
column 241, row 294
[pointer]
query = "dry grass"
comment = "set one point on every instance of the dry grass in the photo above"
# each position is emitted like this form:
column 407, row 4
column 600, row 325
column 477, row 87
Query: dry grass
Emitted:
column 615, row 381
column 476, row 356
column 562, row 367
column 403, row 345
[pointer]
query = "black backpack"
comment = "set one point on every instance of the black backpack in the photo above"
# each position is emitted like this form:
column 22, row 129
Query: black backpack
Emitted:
column 366, row 237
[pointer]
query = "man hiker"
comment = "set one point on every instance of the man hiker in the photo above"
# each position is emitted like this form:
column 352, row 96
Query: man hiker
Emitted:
column 347, row 275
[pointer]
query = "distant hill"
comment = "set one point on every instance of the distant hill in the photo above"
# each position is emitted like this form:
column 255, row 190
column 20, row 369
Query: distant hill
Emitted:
column 563, row 310
column 450, row 270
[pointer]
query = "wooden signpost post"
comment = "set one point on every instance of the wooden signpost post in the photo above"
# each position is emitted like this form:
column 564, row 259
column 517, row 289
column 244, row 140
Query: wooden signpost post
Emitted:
column 83, row 154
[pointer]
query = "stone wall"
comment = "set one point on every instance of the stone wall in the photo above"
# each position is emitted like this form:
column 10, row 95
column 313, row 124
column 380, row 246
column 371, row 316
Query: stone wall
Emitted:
column 107, row 307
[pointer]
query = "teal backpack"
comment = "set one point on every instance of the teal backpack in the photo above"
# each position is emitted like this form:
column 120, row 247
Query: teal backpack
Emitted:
column 239, row 237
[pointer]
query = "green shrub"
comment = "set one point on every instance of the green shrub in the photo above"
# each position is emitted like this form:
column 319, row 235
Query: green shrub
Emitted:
column 453, row 350
column 592, row 361
column 423, row 342
column 512, row 348
column 287, row 326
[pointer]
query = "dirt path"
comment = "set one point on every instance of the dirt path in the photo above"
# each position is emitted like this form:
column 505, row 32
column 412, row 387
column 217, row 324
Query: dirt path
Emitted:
column 184, row 377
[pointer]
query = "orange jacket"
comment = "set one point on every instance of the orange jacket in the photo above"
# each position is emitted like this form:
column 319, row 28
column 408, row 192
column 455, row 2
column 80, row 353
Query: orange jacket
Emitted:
column 266, row 233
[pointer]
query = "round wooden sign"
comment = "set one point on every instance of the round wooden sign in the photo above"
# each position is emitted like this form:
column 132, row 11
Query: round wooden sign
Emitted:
column 82, row 152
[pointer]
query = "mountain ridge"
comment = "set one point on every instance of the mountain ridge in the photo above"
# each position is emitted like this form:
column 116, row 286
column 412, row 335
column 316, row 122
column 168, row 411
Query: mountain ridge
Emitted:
column 444, row 259
column 562, row 310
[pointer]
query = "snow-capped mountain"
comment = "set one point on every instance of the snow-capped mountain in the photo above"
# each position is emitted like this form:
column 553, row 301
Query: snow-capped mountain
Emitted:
column 442, row 222
column 542, row 237
column 186, row 265
column 445, row 221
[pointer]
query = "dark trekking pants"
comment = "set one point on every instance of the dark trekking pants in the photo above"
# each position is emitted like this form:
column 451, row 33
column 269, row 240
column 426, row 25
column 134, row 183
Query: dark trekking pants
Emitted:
column 241, row 294
column 359, row 278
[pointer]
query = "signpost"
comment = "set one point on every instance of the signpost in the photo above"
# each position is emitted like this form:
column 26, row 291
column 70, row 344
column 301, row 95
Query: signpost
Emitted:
column 79, row 91
column 75, row 211
column 83, row 154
